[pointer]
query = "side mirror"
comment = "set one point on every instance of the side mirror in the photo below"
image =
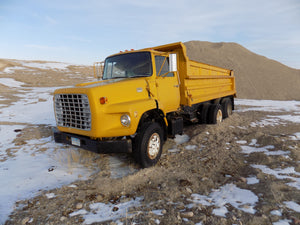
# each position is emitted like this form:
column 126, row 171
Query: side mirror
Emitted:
column 98, row 70
column 173, row 62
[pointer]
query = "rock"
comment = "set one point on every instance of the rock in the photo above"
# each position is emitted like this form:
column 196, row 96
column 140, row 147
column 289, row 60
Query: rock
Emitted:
column 296, row 221
column 164, row 211
column 79, row 206
column 99, row 198
column 180, row 206
column 17, row 130
column 187, row 214
column 63, row 218
column 115, row 209
column 189, row 190
column 184, row 182
column 245, row 206
column 243, row 179
column 25, row 220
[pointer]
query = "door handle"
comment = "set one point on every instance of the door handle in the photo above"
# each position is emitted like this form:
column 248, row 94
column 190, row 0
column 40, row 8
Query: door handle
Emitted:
column 176, row 85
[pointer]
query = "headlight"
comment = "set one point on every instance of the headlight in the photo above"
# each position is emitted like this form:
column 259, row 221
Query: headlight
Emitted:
column 125, row 120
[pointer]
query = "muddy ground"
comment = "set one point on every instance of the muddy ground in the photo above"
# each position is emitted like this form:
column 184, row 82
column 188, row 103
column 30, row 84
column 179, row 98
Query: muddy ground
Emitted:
column 168, row 186
column 209, row 160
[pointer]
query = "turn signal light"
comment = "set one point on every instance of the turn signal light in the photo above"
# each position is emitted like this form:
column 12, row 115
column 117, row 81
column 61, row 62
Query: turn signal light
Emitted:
column 103, row 100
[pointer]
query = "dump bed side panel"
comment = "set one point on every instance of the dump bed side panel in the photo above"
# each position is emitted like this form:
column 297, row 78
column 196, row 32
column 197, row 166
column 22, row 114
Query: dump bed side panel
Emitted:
column 204, row 82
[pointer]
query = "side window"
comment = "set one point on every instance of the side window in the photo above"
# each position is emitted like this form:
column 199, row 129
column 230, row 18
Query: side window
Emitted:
column 162, row 66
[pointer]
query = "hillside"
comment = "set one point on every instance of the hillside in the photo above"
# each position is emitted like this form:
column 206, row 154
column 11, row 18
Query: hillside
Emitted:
column 44, row 73
column 257, row 77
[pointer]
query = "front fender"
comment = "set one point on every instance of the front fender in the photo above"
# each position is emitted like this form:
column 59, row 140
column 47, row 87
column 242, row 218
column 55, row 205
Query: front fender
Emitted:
column 113, row 112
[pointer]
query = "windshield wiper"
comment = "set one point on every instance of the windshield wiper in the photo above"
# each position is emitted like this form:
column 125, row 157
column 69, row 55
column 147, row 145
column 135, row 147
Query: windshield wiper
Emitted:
column 141, row 75
column 110, row 78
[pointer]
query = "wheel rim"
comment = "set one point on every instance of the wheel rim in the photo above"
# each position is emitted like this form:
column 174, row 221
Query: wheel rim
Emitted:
column 153, row 146
column 219, row 116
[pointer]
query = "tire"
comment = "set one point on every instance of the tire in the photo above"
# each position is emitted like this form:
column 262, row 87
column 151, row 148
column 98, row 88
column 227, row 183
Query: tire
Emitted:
column 215, row 114
column 203, row 117
column 147, row 145
column 227, row 107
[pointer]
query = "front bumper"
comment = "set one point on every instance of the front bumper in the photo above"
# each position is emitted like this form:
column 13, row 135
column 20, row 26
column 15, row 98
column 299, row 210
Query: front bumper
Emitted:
column 114, row 146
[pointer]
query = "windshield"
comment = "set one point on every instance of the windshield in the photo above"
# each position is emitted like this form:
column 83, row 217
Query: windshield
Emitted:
column 137, row 64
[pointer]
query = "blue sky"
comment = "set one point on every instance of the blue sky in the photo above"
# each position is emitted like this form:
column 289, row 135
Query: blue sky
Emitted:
column 84, row 31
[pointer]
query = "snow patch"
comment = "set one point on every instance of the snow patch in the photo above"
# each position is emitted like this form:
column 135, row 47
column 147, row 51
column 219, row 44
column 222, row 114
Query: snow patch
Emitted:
column 47, row 66
column 243, row 142
column 11, row 70
column 293, row 206
column 289, row 118
column 242, row 199
column 249, row 149
column 286, row 173
column 296, row 137
column 158, row 212
column 117, row 162
column 79, row 212
column 101, row 212
column 253, row 142
column 50, row 195
column 36, row 106
column 32, row 169
column 10, row 82
column 7, row 135
column 282, row 222
column 267, row 105
column 190, row 147
column 279, row 152
column 267, row 122
column 252, row 180
column 180, row 139
column 276, row 213
column 174, row 150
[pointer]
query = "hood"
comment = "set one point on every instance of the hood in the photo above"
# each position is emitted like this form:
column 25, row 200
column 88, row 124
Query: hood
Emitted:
column 118, row 90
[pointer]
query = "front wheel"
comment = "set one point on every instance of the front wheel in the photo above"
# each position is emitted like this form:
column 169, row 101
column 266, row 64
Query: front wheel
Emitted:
column 147, row 145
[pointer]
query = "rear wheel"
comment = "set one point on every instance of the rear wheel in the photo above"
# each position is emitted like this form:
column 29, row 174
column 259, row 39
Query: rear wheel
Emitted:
column 147, row 145
column 227, row 107
column 215, row 114
column 203, row 117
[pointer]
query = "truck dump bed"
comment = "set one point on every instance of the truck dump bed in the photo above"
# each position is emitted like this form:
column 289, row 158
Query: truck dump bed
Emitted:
column 199, row 82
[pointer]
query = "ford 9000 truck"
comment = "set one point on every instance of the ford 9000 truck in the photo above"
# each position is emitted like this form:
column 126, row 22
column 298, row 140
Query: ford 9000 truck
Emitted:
column 144, row 97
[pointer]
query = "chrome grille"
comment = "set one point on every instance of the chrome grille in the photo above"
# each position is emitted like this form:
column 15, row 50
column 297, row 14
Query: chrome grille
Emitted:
column 73, row 110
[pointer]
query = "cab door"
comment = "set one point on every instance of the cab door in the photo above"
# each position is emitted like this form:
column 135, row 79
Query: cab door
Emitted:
column 167, row 85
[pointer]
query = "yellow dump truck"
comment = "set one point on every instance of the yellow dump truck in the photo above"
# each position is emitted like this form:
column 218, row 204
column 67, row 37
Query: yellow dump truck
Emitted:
column 143, row 97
